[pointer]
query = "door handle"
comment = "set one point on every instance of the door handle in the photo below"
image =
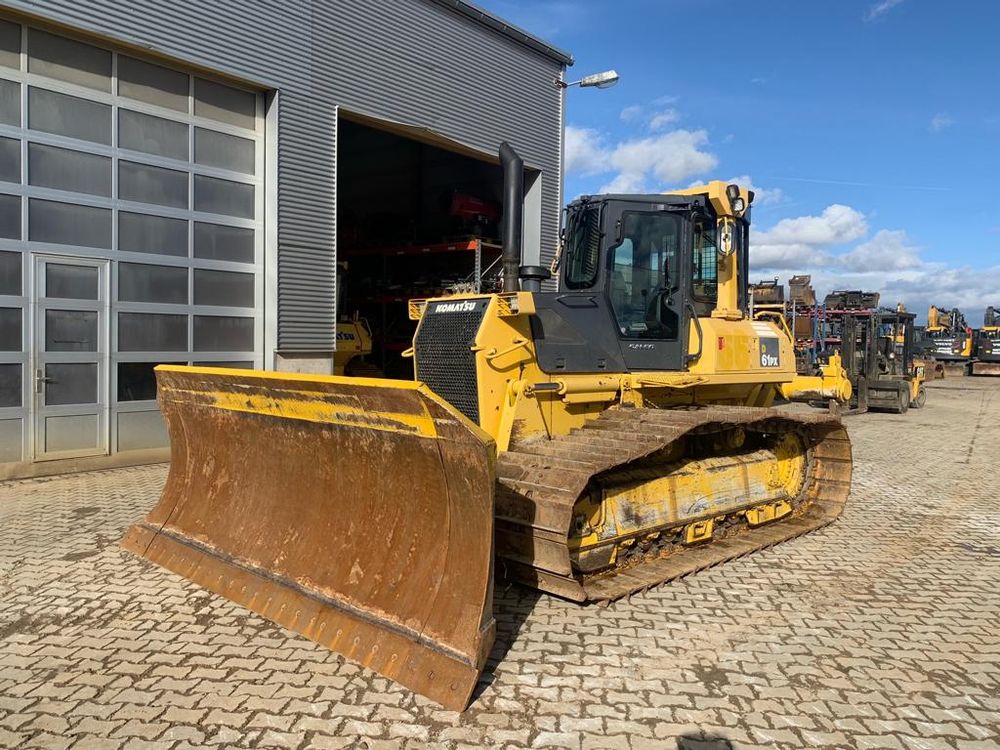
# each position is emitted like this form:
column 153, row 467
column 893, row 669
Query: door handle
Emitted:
column 41, row 380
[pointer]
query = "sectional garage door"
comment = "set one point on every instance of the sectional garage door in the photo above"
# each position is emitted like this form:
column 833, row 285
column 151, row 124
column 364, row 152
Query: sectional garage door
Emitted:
column 131, row 233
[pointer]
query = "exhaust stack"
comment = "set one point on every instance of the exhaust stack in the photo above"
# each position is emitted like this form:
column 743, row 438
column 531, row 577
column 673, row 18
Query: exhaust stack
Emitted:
column 513, row 206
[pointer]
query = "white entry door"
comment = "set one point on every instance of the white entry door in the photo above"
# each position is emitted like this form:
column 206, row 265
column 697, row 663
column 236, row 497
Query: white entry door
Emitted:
column 70, row 357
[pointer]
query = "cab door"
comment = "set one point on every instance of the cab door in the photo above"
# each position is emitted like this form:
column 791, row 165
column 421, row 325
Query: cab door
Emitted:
column 644, row 284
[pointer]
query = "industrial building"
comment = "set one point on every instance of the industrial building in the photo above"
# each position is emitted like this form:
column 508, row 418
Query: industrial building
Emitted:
column 178, row 182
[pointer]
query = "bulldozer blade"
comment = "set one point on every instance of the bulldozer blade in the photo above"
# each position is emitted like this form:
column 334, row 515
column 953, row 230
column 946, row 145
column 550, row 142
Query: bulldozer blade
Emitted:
column 357, row 512
column 986, row 368
column 956, row 369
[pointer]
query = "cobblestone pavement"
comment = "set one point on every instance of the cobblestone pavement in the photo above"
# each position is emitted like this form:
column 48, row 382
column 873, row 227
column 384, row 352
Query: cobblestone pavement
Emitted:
column 881, row 631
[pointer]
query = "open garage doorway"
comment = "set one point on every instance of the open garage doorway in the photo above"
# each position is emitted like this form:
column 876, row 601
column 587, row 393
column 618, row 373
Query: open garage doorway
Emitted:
column 417, row 216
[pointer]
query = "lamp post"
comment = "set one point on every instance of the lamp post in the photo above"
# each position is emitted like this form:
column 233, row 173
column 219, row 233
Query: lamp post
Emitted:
column 604, row 80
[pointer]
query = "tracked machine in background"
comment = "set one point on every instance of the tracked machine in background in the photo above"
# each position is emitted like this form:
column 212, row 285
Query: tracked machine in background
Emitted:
column 988, row 344
column 595, row 441
column 952, row 339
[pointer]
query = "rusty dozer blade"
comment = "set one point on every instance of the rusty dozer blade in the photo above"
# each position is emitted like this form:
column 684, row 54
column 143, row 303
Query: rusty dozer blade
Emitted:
column 357, row 512
column 984, row 367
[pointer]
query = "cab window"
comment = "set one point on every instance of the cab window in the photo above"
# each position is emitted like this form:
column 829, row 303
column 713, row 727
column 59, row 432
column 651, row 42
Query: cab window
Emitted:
column 705, row 263
column 643, row 269
column 583, row 248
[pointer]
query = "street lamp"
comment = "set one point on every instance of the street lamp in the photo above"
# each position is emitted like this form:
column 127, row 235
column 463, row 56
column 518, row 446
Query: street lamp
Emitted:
column 604, row 80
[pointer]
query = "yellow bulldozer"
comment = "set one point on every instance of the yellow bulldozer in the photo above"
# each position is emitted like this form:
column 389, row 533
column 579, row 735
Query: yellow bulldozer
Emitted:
column 591, row 442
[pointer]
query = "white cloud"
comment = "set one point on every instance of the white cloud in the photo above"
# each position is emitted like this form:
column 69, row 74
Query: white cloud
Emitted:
column 636, row 165
column 761, row 196
column 789, row 256
column 584, row 152
column 970, row 290
column 657, row 114
column 941, row 121
column 661, row 119
column 887, row 262
column 804, row 241
column 888, row 250
column 881, row 8
column 624, row 183
column 651, row 163
column 630, row 113
column 836, row 225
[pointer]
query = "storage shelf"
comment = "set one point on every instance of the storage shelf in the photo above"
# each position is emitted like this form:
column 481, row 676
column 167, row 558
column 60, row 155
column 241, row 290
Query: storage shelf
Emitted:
column 397, row 346
column 395, row 299
column 431, row 267
column 462, row 246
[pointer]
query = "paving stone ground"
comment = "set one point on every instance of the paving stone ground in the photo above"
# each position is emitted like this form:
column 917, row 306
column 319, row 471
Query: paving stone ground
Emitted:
column 880, row 631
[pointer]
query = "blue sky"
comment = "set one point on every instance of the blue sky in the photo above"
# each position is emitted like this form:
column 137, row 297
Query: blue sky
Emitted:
column 870, row 128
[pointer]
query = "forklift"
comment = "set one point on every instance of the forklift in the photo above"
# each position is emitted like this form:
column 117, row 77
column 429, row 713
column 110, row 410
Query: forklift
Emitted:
column 870, row 348
column 898, row 381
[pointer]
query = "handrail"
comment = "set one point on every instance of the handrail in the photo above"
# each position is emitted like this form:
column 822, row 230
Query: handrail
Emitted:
column 494, row 354
column 781, row 319
column 697, row 327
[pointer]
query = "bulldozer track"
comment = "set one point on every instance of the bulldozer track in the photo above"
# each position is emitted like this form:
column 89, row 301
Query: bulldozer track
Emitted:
column 538, row 484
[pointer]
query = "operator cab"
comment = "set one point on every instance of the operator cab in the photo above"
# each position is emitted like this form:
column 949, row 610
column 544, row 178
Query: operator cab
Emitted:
column 635, row 270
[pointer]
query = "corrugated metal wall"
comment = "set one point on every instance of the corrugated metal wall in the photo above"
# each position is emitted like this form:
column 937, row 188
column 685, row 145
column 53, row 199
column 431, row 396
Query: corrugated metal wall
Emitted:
column 413, row 61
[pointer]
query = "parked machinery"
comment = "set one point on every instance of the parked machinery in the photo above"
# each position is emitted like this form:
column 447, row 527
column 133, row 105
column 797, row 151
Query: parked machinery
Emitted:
column 354, row 346
column 801, row 292
column 851, row 299
column 864, row 357
column 988, row 345
column 768, row 294
column 822, row 373
column 898, row 381
column 354, row 337
column 621, row 425
column 953, row 340
column 924, row 348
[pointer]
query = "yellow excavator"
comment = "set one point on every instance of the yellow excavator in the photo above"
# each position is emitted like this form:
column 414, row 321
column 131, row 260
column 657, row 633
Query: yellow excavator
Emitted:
column 354, row 337
column 592, row 442
column 988, row 344
column 354, row 345
column 952, row 340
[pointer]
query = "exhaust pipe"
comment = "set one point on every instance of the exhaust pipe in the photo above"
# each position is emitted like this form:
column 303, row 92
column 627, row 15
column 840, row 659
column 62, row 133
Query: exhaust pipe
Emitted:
column 513, row 206
column 516, row 276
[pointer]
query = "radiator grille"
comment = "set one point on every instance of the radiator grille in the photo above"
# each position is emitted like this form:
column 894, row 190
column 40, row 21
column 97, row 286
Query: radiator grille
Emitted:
column 443, row 356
